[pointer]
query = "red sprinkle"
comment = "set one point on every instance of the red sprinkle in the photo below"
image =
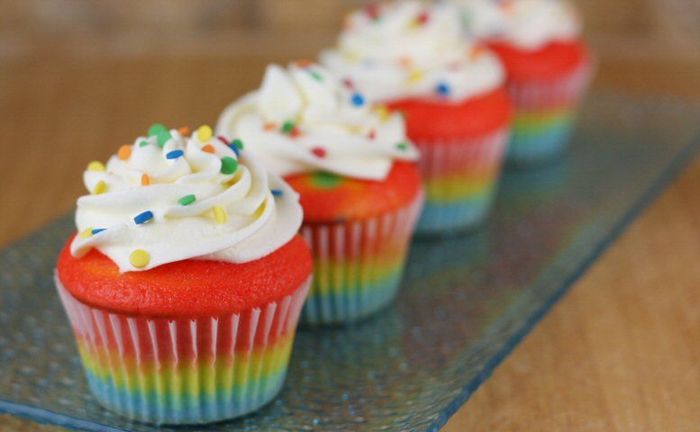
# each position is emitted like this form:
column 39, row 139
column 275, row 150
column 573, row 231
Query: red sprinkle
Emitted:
column 423, row 18
column 295, row 132
column 372, row 134
column 347, row 82
column 319, row 152
column 372, row 11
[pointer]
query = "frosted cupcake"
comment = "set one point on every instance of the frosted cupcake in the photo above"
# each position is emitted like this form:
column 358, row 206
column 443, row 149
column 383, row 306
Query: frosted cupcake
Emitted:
column 186, row 280
column 354, row 169
column 548, row 67
column 412, row 57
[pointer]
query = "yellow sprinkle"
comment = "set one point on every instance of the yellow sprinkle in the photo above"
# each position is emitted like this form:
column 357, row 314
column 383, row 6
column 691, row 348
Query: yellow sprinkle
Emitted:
column 220, row 215
column 139, row 258
column 96, row 166
column 100, row 188
column 383, row 112
column 86, row 233
column 204, row 133
column 414, row 76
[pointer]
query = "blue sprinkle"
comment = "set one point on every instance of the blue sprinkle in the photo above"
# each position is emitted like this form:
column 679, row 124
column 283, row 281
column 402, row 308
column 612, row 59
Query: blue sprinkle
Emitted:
column 144, row 217
column 357, row 99
column 235, row 150
column 276, row 192
column 174, row 154
column 97, row 230
column 443, row 89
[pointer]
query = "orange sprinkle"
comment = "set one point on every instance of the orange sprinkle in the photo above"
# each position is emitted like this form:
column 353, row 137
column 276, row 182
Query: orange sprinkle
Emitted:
column 303, row 63
column 269, row 126
column 145, row 180
column 208, row 148
column 124, row 152
column 184, row 131
column 405, row 62
column 477, row 51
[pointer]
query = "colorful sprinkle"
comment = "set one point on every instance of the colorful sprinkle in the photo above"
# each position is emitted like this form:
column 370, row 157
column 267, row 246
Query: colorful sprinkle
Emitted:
column 100, row 188
column 204, row 133
column 145, row 180
column 174, row 154
column 160, row 132
column 96, row 166
column 184, row 130
column 237, row 143
column 319, row 152
column 143, row 143
column 325, row 180
column 372, row 11
column 403, row 146
column 220, row 215
column 347, row 82
column 144, row 217
column 295, row 132
column 443, row 89
column 415, row 75
column 229, row 165
column 476, row 52
column 357, row 99
column 124, row 152
column 406, row 62
column 423, row 18
column 315, row 75
column 156, row 128
column 208, row 149
column 223, row 139
column 270, row 126
column 383, row 112
column 98, row 230
column 287, row 127
column 187, row 200
column 372, row 134
column 86, row 233
column 139, row 258
column 303, row 63
column 276, row 192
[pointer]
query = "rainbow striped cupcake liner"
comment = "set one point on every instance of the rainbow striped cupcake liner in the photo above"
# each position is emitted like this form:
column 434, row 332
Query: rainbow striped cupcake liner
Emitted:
column 357, row 265
column 545, row 114
column 461, row 179
column 185, row 370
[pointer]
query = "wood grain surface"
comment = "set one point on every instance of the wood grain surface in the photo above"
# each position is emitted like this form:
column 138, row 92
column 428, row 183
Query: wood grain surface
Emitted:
column 619, row 353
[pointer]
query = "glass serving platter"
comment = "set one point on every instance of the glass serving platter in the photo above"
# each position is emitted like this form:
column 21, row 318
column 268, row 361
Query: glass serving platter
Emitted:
column 466, row 300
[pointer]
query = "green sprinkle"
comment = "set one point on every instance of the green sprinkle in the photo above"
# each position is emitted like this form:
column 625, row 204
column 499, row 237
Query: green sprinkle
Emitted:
column 156, row 128
column 315, row 75
column 402, row 146
column 287, row 127
column 187, row 200
column 238, row 143
column 325, row 180
column 163, row 137
column 229, row 165
column 143, row 143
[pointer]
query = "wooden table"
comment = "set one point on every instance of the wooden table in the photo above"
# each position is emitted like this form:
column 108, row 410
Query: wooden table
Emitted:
column 620, row 352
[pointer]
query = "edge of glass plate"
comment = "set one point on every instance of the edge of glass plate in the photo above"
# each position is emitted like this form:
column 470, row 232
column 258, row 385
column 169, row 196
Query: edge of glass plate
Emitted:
column 672, row 171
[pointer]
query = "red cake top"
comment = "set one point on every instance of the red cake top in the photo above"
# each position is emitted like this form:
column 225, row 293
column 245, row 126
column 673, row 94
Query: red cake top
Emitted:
column 434, row 120
column 328, row 197
column 549, row 62
column 186, row 288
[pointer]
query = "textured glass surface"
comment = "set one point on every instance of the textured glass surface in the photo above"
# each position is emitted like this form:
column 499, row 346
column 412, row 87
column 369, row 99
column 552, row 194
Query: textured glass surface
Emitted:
column 465, row 303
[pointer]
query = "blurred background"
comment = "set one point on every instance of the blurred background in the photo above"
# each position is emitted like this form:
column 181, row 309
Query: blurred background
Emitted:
column 79, row 78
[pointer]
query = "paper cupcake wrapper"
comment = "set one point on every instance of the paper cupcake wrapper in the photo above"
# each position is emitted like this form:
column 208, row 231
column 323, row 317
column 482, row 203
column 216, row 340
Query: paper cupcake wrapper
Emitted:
column 461, row 178
column 545, row 112
column 185, row 370
column 357, row 264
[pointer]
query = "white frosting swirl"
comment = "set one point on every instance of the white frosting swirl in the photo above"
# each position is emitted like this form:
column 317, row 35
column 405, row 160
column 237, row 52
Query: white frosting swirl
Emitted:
column 303, row 119
column 234, row 216
column 397, row 50
column 527, row 24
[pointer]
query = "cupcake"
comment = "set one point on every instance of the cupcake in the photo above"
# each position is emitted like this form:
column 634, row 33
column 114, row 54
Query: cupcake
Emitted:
column 411, row 56
column 186, row 279
column 548, row 68
column 354, row 170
